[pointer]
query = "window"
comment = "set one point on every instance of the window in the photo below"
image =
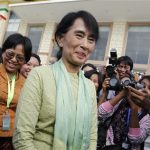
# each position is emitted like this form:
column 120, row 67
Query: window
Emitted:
column 35, row 34
column 13, row 24
column 138, row 44
column 101, row 45
column 99, row 52
column 55, row 50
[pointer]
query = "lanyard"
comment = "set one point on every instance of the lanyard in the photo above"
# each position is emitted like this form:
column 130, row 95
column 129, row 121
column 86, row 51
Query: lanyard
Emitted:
column 128, row 117
column 11, row 89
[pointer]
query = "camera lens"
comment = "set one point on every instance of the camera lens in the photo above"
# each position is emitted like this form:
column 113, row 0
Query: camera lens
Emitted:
column 126, row 82
column 113, row 82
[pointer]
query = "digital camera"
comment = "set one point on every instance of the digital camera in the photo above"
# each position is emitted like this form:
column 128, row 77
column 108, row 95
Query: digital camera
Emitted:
column 110, row 70
column 115, row 83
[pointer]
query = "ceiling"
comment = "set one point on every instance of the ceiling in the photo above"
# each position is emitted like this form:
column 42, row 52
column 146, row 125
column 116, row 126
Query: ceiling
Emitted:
column 103, row 10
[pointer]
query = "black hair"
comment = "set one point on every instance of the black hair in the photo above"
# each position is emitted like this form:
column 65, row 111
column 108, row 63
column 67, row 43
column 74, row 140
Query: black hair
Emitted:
column 88, row 64
column 125, row 59
column 145, row 77
column 88, row 75
column 37, row 57
column 15, row 39
column 68, row 20
column 27, row 48
column 144, row 111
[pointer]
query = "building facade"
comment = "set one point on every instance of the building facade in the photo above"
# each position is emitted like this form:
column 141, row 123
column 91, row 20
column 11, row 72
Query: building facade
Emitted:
column 121, row 27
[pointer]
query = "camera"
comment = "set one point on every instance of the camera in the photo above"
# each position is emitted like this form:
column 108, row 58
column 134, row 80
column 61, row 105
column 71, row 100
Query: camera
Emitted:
column 129, row 81
column 115, row 83
column 110, row 70
column 113, row 57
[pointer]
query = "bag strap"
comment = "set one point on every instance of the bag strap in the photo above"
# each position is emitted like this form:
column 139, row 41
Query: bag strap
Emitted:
column 104, row 125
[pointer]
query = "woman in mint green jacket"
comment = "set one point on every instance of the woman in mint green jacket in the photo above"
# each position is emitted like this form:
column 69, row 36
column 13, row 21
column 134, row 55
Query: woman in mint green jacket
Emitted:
column 57, row 108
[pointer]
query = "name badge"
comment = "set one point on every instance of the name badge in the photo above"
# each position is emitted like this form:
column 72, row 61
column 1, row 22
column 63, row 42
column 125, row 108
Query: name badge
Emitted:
column 6, row 121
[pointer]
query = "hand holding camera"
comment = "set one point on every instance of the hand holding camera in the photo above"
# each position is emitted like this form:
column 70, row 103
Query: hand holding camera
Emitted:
column 130, row 100
column 119, row 72
column 106, row 84
column 140, row 97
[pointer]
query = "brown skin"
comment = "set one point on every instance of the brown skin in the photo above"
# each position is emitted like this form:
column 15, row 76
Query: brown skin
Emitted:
column 94, row 78
column 118, row 97
column 26, row 68
column 105, row 85
column 134, row 121
column 141, row 98
column 122, row 71
column 77, row 44
column 11, row 64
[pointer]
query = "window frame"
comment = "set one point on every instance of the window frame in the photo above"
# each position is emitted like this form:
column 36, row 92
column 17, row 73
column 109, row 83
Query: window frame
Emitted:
column 10, row 21
column 100, row 63
column 95, row 62
column 30, row 25
column 142, row 67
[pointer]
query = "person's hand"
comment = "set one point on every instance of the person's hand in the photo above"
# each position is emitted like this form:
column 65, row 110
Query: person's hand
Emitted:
column 117, row 74
column 130, row 101
column 140, row 97
column 123, row 93
column 105, row 84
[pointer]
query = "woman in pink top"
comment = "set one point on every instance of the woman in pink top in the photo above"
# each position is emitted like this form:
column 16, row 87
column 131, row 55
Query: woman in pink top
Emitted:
column 140, row 119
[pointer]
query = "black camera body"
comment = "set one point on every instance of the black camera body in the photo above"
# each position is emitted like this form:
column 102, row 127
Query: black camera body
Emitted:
column 110, row 70
column 129, row 81
column 117, row 85
column 114, row 82
column 113, row 57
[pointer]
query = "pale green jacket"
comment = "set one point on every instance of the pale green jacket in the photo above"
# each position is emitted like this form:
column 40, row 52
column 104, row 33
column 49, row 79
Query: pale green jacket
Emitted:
column 35, row 117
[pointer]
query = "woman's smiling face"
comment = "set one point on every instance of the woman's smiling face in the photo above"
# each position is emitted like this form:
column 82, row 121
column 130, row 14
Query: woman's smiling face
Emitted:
column 13, row 58
column 77, row 44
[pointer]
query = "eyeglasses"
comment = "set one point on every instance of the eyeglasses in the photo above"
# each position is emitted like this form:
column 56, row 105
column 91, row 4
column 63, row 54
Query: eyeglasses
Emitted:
column 10, row 54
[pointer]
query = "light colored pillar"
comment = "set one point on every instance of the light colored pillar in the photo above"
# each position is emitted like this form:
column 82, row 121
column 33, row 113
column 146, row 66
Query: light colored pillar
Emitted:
column 46, row 44
column 4, row 17
column 117, row 37
column 23, row 28
column 148, row 70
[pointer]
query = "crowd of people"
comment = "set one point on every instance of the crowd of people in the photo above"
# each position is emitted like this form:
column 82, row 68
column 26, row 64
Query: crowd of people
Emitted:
column 70, row 104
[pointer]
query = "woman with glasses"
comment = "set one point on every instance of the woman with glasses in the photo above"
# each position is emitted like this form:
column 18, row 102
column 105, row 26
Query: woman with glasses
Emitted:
column 16, row 50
